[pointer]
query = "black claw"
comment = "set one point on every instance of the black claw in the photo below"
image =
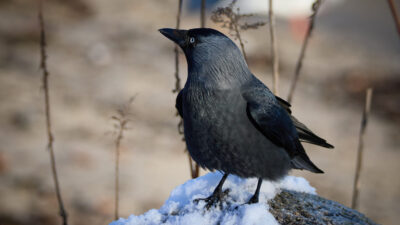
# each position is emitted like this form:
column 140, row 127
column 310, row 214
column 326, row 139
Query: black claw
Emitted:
column 214, row 199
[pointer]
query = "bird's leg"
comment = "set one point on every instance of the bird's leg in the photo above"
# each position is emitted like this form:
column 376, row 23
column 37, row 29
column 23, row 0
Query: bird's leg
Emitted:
column 254, row 199
column 216, row 196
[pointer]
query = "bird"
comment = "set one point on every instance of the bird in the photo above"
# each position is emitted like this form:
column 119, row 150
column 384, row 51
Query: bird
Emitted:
column 232, row 122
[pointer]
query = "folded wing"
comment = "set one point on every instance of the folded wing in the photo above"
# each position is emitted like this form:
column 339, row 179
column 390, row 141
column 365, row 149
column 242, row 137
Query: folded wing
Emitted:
column 305, row 134
column 274, row 122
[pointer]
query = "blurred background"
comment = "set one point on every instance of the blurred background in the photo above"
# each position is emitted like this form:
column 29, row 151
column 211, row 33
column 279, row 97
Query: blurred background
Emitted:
column 103, row 52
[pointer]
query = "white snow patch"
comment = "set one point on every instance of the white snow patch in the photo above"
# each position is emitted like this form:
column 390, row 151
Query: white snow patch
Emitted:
column 180, row 208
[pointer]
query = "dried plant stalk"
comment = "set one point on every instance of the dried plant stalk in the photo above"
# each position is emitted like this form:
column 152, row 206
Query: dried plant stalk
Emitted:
column 176, row 51
column 239, row 37
column 315, row 8
column 395, row 15
column 203, row 14
column 45, row 80
column 194, row 168
column 231, row 19
column 364, row 123
column 122, row 119
column 274, row 49
column 117, row 152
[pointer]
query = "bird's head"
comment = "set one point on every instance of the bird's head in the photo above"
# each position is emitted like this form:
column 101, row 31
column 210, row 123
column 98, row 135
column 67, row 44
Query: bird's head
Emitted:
column 208, row 51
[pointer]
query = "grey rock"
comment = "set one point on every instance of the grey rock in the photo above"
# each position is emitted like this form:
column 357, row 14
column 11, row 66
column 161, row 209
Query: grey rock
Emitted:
column 290, row 207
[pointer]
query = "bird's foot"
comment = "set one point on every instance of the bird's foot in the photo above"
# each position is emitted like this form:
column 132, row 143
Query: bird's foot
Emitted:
column 253, row 200
column 215, row 199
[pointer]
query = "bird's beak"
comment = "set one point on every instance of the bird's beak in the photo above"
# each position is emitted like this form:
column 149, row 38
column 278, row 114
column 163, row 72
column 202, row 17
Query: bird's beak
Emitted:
column 177, row 36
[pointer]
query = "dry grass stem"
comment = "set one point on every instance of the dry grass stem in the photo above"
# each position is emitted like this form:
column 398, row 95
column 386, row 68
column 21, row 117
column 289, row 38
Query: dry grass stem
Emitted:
column 364, row 123
column 274, row 49
column 395, row 15
column 203, row 14
column 176, row 51
column 231, row 18
column 121, row 124
column 45, row 80
column 315, row 8
column 193, row 166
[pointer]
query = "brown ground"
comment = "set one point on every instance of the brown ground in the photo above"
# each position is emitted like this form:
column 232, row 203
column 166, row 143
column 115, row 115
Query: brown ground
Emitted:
column 103, row 52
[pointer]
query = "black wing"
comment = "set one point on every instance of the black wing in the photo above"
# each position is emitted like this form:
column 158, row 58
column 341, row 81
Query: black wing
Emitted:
column 264, row 111
column 305, row 134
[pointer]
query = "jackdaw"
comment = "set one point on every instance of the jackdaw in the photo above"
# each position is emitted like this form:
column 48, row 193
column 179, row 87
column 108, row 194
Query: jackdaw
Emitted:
column 232, row 121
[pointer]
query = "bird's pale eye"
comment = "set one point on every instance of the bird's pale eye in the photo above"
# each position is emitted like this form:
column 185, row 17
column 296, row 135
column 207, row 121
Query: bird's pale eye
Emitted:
column 192, row 40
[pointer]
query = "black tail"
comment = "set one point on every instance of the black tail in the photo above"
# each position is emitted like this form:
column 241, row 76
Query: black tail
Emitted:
column 301, row 161
column 306, row 135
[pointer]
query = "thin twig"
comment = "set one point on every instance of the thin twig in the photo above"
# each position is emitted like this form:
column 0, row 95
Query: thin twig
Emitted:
column 239, row 37
column 364, row 123
column 395, row 15
column 122, row 119
column 232, row 22
column 274, row 49
column 232, row 19
column 299, row 63
column 193, row 166
column 176, row 51
column 117, row 151
column 45, row 79
column 203, row 13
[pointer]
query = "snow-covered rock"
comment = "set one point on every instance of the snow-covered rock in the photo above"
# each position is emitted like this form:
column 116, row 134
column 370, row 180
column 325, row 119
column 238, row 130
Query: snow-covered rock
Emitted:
column 181, row 209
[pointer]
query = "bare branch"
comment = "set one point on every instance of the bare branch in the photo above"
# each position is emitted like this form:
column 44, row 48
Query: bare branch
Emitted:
column 315, row 8
column 203, row 14
column 395, row 15
column 195, row 169
column 45, row 80
column 231, row 19
column 176, row 51
column 122, row 118
column 177, row 89
column 364, row 123
column 274, row 49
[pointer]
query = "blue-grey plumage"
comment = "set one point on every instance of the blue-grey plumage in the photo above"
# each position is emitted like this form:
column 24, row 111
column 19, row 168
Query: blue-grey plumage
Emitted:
column 232, row 121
